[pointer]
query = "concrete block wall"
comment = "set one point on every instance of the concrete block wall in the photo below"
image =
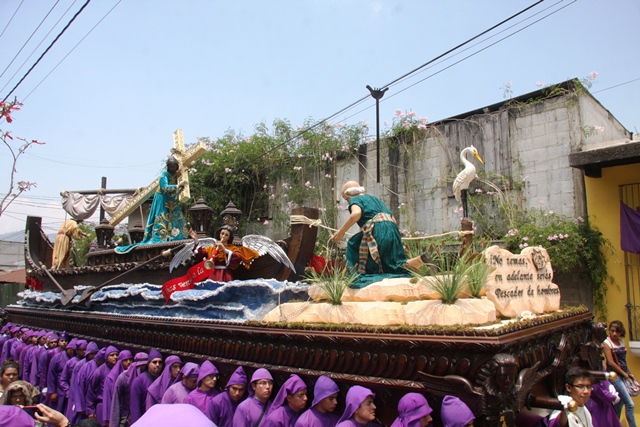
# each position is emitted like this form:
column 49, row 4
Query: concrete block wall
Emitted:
column 530, row 144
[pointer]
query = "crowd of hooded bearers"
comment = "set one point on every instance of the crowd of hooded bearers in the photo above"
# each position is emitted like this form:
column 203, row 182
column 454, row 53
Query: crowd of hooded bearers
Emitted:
column 50, row 379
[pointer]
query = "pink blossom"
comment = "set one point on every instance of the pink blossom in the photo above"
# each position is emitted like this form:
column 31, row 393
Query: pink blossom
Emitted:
column 308, row 184
column 265, row 222
column 398, row 113
column 593, row 75
column 406, row 124
column 297, row 168
column 411, row 114
column 228, row 170
column 599, row 128
column 328, row 175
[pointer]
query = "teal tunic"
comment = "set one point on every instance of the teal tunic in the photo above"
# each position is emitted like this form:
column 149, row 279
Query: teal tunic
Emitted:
column 166, row 220
column 387, row 236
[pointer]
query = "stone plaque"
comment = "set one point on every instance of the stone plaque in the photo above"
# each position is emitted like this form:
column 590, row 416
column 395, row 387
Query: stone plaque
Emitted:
column 521, row 282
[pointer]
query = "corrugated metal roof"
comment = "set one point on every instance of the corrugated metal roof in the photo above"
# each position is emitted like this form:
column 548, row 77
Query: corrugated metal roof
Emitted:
column 14, row 276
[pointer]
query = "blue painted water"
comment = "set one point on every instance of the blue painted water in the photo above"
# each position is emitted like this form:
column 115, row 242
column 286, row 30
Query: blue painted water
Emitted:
column 237, row 300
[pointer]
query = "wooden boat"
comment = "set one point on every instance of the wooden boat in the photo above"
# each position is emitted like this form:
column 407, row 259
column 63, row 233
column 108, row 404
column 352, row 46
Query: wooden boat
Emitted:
column 106, row 265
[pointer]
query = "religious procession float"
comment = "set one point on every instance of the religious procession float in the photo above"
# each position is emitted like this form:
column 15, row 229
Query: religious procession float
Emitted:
column 502, row 346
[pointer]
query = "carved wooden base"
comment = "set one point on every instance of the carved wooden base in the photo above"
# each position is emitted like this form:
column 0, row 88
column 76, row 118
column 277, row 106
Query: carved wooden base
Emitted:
column 388, row 360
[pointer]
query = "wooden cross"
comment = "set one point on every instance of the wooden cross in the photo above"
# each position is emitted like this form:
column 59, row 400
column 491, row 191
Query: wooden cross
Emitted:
column 184, row 159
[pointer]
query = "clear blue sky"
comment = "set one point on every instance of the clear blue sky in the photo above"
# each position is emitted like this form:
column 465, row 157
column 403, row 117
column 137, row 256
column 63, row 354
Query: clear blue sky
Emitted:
column 206, row 66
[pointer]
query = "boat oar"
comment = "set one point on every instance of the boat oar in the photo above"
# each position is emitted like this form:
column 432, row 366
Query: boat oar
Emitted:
column 67, row 294
column 86, row 294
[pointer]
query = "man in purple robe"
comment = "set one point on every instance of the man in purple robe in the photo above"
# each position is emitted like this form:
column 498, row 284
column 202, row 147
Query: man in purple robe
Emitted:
column 172, row 366
column 22, row 352
column 103, row 411
column 64, row 383
column 120, row 397
column 184, row 384
column 96, row 382
column 75, row 407
column 6, row 347
column 359, row 408
column 454, row 412
column 252, row 411
column 17, row 346
column 603, row 396
column 222, row 407
column 40, row 363
column 141, row 383
column 413, row 411
column 30, row 359
column 325, row 400
column 206, row 391
column 288, row 403
column 56, row 366
column 5, row 334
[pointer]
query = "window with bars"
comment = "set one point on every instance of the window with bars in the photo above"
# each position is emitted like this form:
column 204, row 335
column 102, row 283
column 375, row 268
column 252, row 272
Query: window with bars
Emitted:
column 630, row 196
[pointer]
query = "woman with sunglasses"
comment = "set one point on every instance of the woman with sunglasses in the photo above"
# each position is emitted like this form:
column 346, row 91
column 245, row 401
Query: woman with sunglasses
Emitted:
column 616, row 354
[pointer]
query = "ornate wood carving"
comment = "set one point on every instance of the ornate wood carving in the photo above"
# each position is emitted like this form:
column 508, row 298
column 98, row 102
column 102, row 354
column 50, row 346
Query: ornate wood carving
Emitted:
column 388, row 362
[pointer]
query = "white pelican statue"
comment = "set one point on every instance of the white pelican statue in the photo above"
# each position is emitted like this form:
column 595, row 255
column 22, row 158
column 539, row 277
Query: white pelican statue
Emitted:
column 464, row 178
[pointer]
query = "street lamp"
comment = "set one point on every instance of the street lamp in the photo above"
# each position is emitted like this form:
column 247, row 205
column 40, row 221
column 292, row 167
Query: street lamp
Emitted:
column 377, row 95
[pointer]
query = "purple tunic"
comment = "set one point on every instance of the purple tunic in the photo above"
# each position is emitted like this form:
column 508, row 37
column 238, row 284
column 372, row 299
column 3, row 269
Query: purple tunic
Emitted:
column 162, row 383
column 283, row 416
column 81, row 385
column 315, row 418
column 6, row 348
column 249, row 412
column 120, row 397
column 64, row 383
column 70, row 411
column 221, row 409
column 455, row 412
column 104, row 411
column 176, row 393
column 138, row 395
column 53, row 374
column 201, row 399
column 198, row 397
column 601, row 407
column 95, row 390
column 27, row 356
column 95, row 383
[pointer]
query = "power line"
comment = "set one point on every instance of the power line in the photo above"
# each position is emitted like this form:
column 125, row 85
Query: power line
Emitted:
column 468, row 56
column 461, row 44
column 29, row 39
column 74, row 48
column 47, row 49
column 364, row 98
column 618, row 85
column 39, row 44
column 90, row 166
column 12, row 16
